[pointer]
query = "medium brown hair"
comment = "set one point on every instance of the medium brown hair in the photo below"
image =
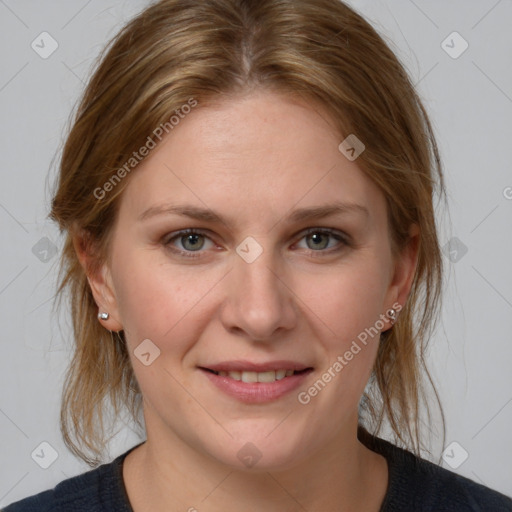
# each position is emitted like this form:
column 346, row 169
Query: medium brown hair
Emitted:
column 176, row 50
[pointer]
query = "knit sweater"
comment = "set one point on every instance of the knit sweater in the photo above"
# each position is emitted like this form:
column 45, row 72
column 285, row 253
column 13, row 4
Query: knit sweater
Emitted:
column 414, row 485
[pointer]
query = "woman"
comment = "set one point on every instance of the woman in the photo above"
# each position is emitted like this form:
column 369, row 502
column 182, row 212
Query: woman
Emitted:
column 252, row 259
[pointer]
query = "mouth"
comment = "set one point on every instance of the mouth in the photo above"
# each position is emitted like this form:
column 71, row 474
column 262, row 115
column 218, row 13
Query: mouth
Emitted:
column 253, row 383
column 252, row 376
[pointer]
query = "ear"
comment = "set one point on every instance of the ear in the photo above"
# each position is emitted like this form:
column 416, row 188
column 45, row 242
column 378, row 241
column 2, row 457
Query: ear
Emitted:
column 404, row 271
column 100, row 280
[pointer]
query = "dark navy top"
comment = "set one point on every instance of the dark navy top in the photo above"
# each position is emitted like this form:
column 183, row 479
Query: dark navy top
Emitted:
column 414, row 485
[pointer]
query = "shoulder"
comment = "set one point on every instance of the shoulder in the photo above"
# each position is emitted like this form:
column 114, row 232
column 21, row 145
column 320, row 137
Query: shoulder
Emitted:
column 417, row 484
column 99, row 489
column 79, row 493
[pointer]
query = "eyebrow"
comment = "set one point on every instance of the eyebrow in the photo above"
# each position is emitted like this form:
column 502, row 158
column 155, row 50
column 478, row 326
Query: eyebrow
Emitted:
column 298, row 215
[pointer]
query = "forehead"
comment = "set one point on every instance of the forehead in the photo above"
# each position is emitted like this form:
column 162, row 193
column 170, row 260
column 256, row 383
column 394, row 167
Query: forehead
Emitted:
column 262, row 155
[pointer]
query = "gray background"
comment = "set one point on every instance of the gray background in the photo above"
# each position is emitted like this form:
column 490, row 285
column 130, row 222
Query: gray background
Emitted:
column 470, row 101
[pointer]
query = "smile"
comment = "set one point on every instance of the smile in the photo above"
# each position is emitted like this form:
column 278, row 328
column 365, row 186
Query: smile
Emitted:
column 253, row 387
column 249, row 376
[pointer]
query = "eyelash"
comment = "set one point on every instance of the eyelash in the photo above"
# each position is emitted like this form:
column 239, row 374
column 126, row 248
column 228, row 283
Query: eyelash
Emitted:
column 338, row 236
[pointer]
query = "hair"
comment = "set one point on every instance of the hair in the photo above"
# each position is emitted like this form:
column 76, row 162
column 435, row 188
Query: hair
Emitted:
column 178, row 50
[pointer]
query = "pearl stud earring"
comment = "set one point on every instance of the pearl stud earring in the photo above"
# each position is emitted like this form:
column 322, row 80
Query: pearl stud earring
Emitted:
column 391, row 314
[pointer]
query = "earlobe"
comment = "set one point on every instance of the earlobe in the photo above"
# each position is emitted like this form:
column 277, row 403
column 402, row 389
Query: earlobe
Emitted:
column 104, row 294
column 403, row 275
column 405, row 268
column 100, row 283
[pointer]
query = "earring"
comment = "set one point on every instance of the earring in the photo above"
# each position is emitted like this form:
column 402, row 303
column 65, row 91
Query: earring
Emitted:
column 391, row 314
column 103, row 316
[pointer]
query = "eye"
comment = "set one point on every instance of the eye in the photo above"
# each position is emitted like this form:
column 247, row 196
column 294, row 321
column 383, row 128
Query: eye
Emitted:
column 194, row 243
column 188, row 241
column 321, row 239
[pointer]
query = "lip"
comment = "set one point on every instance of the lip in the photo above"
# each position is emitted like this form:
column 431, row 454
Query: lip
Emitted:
column 256, row 392
column 248, row 366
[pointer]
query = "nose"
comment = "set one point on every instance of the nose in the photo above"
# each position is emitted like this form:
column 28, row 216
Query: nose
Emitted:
column 259, row 304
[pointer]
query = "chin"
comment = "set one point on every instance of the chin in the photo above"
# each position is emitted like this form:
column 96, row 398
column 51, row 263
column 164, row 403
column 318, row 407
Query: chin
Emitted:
column 259, row 452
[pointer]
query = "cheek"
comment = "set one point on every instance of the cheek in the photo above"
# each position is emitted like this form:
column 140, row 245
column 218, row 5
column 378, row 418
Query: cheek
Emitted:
column 345, row 302
column 159, row 301
column 345, row 307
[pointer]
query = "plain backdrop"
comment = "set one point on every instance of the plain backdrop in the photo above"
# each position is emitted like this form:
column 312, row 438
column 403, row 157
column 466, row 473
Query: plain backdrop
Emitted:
column 468, row 93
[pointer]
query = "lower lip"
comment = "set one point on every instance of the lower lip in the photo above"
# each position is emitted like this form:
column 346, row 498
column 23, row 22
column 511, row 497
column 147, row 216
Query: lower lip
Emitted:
column 257, row 392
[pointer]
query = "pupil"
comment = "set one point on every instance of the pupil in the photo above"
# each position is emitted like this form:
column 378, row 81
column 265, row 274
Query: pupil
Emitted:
column 192, row 242
column 318, row 240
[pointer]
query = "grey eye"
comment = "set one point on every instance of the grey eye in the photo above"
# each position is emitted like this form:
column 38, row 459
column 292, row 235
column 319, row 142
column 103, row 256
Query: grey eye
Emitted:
column 192, row 241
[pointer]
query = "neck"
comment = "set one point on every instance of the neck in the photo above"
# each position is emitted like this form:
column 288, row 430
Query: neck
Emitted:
column 166, row 474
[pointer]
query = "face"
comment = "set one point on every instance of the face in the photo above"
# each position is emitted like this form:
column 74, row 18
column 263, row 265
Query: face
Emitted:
column 247, row 246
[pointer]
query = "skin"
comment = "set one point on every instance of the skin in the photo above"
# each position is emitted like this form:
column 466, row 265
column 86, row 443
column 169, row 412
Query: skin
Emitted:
column 253, row 160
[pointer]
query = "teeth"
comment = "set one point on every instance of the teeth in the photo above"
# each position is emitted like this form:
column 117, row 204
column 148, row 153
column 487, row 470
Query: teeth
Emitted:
column 249, row 377
column 280, row 374
column 269, row 376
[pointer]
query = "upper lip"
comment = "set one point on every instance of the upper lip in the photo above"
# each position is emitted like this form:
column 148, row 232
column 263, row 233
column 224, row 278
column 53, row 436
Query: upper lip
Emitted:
column 248, row 366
